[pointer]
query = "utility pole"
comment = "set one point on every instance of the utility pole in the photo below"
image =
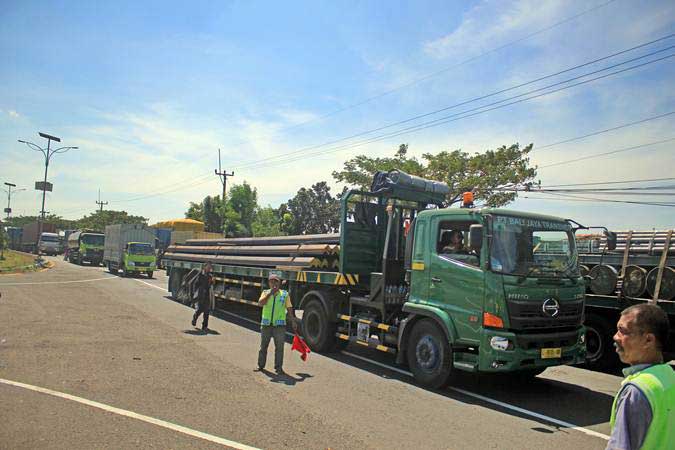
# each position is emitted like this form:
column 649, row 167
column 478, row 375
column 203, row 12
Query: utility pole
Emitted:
column 223, row 176
column 8, row 210
column 99, row 202
column 48, row 153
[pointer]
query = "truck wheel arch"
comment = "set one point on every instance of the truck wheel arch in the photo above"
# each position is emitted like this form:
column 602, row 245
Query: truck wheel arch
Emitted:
column 417, row 313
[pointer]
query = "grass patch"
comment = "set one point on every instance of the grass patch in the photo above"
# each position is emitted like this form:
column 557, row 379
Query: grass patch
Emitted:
column 14, row 261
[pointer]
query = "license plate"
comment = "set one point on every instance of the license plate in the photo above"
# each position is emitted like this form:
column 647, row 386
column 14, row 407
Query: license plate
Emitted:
column 547, row 353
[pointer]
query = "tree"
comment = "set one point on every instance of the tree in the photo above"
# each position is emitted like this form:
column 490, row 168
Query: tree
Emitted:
column 195, row 211
column 243, row 200
column 267, row 223
column 313, row 211
column 98, row 220
column 481, row 172
column 212, row 208
column 60, row 222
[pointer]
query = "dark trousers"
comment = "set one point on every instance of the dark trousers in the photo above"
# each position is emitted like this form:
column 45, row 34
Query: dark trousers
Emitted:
column 268, row 332
column 202, row 308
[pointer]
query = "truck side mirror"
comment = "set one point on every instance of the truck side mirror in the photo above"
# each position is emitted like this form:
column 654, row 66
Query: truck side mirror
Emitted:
column 476, row 237
column 611, row 240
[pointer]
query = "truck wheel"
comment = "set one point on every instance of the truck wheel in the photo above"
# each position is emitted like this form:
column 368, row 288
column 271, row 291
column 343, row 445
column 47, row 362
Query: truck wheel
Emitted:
column 110, row 268
column 600, row 352
column 317, row 330
column 150, row 274
column 429, row 354
column 79, row 260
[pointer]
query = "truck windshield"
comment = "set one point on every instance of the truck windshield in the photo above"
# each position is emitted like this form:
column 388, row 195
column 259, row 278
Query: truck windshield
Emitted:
column 141, row 249
column 532, row 247
column 93, row 239
column 48, row 238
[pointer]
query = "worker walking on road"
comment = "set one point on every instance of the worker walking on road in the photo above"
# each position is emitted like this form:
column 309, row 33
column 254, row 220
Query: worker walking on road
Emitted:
column 643, row 413
column 276, row 307
column 204, row 297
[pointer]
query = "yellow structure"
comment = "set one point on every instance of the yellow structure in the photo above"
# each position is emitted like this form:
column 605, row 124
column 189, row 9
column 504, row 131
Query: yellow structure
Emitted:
column 181, row 225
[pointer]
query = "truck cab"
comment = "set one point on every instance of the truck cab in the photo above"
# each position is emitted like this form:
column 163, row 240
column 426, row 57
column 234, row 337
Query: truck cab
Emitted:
column 86, row 246
column 49, row 244
column 508, row 297
column 139, row 257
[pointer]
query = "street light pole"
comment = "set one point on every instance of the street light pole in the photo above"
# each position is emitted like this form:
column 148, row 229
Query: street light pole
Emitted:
column 9, row 197
column 48, row 153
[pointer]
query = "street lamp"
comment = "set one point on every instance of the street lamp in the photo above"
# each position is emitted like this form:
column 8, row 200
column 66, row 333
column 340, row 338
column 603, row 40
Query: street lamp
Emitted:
column 48, row 153
column 8, row 210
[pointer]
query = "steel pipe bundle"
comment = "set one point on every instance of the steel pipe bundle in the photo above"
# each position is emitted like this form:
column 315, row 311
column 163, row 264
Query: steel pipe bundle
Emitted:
column 259, row 261
column 634, row 281
column 260, row 250
column 603, row 279
column 333, row 238
column 667, row 290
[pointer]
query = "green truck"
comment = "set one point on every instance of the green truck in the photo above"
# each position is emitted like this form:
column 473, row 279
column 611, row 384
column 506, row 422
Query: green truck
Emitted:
column 496, row 303
column 129, row 248
column 85, row 246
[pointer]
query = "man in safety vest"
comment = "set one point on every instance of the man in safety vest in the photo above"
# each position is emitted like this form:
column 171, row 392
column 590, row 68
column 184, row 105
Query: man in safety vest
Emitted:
column 643, row 413
column 276, row 306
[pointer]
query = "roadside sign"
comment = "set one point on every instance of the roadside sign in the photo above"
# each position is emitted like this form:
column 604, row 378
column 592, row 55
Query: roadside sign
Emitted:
column 43, row 186
column 8, row 210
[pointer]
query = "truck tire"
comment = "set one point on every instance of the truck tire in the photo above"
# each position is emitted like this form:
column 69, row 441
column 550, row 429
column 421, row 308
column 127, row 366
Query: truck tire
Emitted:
column 317, row 330
column 429, row 354
column 110, row 268
column 79, row 260
column 150, row 274
column 600, row 353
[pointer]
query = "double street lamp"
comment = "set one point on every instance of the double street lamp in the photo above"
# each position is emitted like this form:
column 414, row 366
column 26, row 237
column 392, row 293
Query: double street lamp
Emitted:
column 48, row 153
column 8, row 210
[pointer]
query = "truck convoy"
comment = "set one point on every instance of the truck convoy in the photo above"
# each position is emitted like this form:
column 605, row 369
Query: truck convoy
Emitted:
column 33, row 241
column 395, row 279
column 129, row 248
column 640, row 269
column 85, row 246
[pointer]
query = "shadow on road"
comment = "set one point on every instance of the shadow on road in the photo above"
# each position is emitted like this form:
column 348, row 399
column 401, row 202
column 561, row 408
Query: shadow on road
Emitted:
column 556, row 399
column 284, row 377
column 201, row 332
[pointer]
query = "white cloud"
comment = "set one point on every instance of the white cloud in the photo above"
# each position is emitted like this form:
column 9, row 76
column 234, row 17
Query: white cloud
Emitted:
column 13, row 113
column 493, row 23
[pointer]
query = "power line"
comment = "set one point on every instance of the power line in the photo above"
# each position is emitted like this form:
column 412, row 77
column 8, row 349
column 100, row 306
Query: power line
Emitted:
column 644, row 180
column 635, row 147
column 439, row 72
column 606, row 130
column 453, row 117
column 482, row 97
column 604, row 200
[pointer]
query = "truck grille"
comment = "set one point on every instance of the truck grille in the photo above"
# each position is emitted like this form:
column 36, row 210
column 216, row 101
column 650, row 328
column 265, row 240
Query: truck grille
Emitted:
column 529, row 315
column 545, row 340
column 142, row 264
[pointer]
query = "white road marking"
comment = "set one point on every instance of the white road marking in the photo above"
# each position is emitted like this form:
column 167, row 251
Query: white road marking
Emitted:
column 60, row 282
column 132, row 415
column 151, row 285
column 461, row 391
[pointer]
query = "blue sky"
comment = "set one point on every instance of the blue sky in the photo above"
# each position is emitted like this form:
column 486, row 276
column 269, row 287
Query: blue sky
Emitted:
column 150, row 90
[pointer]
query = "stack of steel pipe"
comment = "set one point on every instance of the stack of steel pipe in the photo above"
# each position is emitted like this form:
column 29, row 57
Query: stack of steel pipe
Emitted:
column 318, row 252
column 333, row 238
column 652, row 242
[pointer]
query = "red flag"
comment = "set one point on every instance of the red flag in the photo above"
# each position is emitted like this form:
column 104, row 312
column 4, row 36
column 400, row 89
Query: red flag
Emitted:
column 300, row 346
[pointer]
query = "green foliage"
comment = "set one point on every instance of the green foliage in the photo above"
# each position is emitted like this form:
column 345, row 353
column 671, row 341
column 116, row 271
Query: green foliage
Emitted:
column 267, row 223
column 98, row 220
column 95, row 221
column 60, row 222
column 311, row 211
column 244, row 201
column 481, row 172
column 195, row 211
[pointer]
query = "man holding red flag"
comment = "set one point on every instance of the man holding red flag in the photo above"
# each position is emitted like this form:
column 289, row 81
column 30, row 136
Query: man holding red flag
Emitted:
column 277, row 306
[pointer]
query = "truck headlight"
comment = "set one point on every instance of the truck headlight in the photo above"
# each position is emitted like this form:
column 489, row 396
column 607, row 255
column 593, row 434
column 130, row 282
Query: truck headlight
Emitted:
column 501, row 343
column 131, row 263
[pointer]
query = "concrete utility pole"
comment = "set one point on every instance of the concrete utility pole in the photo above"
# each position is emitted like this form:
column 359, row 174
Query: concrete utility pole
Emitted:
column 8, row 210
column 223, row 176
column 48, row 153
column 99, row 202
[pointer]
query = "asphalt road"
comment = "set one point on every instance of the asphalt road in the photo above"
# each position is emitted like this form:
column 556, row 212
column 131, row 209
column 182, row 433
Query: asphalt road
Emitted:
column 123, row 343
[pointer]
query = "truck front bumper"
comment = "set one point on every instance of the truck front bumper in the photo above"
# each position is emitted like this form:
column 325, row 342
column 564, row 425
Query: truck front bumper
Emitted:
column 531, row 351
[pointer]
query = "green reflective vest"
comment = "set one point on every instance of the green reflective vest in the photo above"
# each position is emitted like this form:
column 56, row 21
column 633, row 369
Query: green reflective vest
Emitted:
column 658, row 384
column 274, row 311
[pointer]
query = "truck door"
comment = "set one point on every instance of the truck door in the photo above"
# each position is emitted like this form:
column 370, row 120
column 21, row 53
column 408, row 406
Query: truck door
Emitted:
column 456, row 281
column 419, row 274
